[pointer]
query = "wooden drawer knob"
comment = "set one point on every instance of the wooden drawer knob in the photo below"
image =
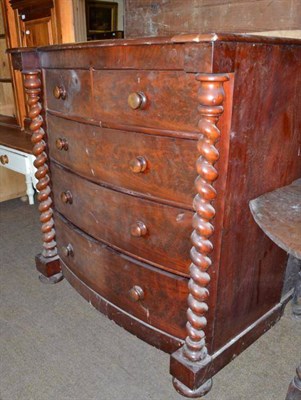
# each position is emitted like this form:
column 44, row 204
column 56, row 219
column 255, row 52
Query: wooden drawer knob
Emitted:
column 67, row 250
column 59, row 92
column 4, row 159
column 138, row 229
column 61, row 144
column 137, row 100
column 66, row 197
column 136, row 293
column 138, row 164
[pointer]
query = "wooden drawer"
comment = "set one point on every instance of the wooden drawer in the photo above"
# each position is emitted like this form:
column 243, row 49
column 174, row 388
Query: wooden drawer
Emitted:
column 151, row 295
column 170, row 99
column 75, row 95
column 16, row 160
column 150, row 231
column 164, row 99
column 115, row 158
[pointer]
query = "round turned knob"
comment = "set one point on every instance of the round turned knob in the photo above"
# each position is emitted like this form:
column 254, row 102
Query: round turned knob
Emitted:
column 61, row 144
column 67, row 250
column 137, row 100
column 59, row 92
column 4, row 159
column 66, row 197
column 138, row 164
column 136, row 293
column 138, row 229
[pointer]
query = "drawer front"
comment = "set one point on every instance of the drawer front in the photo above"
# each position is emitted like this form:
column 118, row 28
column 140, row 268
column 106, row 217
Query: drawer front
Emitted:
column 163, row 99
column 69, row 92
column 153, row 296
column 14, row 161
column 159, row 167
column 150, row 231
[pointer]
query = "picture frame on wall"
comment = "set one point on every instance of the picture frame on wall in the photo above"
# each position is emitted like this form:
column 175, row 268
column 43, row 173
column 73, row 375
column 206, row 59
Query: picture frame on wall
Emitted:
column 101, row 16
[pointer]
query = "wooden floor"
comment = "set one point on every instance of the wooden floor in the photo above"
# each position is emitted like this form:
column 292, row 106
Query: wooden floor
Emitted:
column 15, row 139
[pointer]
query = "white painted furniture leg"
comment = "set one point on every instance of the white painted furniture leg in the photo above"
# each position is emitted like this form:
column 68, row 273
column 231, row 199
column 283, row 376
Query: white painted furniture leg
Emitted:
column 29, row 191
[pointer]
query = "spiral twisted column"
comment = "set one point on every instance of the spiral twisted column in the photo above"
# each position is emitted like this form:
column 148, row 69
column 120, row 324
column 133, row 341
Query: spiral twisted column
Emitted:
column 47, row 262
column 211, row 96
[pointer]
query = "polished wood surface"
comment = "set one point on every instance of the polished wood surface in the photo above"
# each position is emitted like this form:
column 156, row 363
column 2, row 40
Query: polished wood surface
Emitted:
column 47, row 262
column 137, row 117
column 114, row 158
column 114, row 276
column 165, row 241
column 278, row 215
column 15, row 139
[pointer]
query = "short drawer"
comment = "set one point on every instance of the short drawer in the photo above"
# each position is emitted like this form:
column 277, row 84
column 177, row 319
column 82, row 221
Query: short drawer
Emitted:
column 16, row 161
column 155, row 166
column 152, row 99
column 69, row 92
column 153, row 296
column 147, row 230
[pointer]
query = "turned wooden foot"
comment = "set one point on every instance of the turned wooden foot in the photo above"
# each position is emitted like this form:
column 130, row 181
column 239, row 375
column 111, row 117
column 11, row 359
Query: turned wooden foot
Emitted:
column 49, row 268
column 190, row 378
column 51, row 279
column 294, row 390
column 196, row 393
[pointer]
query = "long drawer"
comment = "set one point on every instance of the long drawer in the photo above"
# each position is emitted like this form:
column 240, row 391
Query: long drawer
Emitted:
column 126, row 97
column 152, row 232
column 155, row 166
column 151, row 295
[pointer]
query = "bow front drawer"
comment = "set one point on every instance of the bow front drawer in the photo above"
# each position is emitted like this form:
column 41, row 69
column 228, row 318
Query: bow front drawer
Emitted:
column 151, row 295
column 147, row 230
column 158, row 167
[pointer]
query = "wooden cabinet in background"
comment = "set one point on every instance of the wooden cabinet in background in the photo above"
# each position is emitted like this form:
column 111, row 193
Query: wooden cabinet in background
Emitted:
column 35, row 23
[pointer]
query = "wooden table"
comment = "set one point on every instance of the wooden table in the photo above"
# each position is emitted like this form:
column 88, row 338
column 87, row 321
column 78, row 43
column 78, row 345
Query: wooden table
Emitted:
column 278, row 214
column 16, row 155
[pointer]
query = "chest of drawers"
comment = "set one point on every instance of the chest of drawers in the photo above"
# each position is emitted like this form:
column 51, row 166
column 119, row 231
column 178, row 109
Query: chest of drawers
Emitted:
column 148, row 153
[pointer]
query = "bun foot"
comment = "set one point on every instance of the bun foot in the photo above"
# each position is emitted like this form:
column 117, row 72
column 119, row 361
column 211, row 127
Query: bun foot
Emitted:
column 51, row 280
column 192, row 393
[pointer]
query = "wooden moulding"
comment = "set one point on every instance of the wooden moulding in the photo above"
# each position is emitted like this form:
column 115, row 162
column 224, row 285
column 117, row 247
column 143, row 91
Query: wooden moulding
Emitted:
column 194, row 375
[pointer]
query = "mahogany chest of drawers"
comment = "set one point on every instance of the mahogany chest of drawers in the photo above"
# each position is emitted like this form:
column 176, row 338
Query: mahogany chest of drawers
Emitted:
column 148, row 152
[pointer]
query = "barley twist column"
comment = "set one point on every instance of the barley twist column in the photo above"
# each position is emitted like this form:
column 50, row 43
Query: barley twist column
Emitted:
column 47, row 262
column 211, row 96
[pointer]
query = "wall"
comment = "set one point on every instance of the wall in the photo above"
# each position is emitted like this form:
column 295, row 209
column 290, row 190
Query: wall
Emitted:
column 169, row 17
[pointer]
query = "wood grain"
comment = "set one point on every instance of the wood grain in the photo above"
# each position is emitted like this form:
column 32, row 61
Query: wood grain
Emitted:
column 108, row 216
column 113, row 275
column 104, row 156
column 259, row 151
column 278, row 213
column 78, row 86
column 258, row 163
column 159, row 18
column 12, row 184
